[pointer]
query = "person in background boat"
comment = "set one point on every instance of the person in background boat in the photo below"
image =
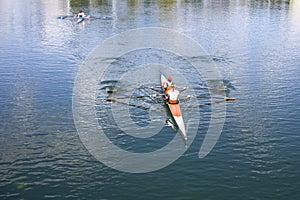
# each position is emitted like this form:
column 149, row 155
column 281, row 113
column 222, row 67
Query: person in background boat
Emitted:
column 80, row 14
column 167, row 85
column 172, row 95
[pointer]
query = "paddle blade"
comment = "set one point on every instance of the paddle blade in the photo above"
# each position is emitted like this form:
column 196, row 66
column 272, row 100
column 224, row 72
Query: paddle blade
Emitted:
column 229, row 99
column 111, row 91
column 111, row 99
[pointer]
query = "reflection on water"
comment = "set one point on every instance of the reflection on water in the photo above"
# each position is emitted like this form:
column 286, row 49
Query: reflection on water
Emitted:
column 294, row 17
column 255, row 44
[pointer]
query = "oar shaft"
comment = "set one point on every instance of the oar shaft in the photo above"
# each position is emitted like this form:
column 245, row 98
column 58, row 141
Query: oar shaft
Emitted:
column 203, row 88
column 125, row 97
column 129, row 97
column 224, row 98
column 154, row 87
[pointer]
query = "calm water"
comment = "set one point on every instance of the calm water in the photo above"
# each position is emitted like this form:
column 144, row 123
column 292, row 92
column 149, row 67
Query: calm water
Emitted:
column 256, row 46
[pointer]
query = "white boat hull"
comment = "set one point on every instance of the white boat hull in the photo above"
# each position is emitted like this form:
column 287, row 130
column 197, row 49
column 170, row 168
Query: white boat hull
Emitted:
column 176, row 114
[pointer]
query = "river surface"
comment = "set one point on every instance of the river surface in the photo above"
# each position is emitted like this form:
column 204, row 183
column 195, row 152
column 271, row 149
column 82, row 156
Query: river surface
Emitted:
column 254, row 44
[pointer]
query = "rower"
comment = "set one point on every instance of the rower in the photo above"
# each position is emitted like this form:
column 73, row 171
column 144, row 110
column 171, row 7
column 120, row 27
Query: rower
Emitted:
column 167, row 85
column 80, row 14
column 172, row 95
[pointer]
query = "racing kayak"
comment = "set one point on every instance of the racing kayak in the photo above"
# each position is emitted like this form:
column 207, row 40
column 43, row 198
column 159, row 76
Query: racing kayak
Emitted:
column 175, row 111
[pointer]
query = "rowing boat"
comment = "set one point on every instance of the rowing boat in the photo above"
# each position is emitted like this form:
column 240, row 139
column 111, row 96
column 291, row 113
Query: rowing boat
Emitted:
column 175, row 111
column 62, row 17
column 173, row 106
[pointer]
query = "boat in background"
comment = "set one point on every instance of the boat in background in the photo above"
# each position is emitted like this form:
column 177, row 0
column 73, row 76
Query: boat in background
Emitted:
column 62, row 17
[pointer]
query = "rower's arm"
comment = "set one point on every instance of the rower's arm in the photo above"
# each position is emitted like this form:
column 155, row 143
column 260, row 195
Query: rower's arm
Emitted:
column 164, row 85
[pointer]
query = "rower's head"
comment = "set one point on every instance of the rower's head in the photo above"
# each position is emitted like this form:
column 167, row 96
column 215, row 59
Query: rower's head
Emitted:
column 169, row 78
